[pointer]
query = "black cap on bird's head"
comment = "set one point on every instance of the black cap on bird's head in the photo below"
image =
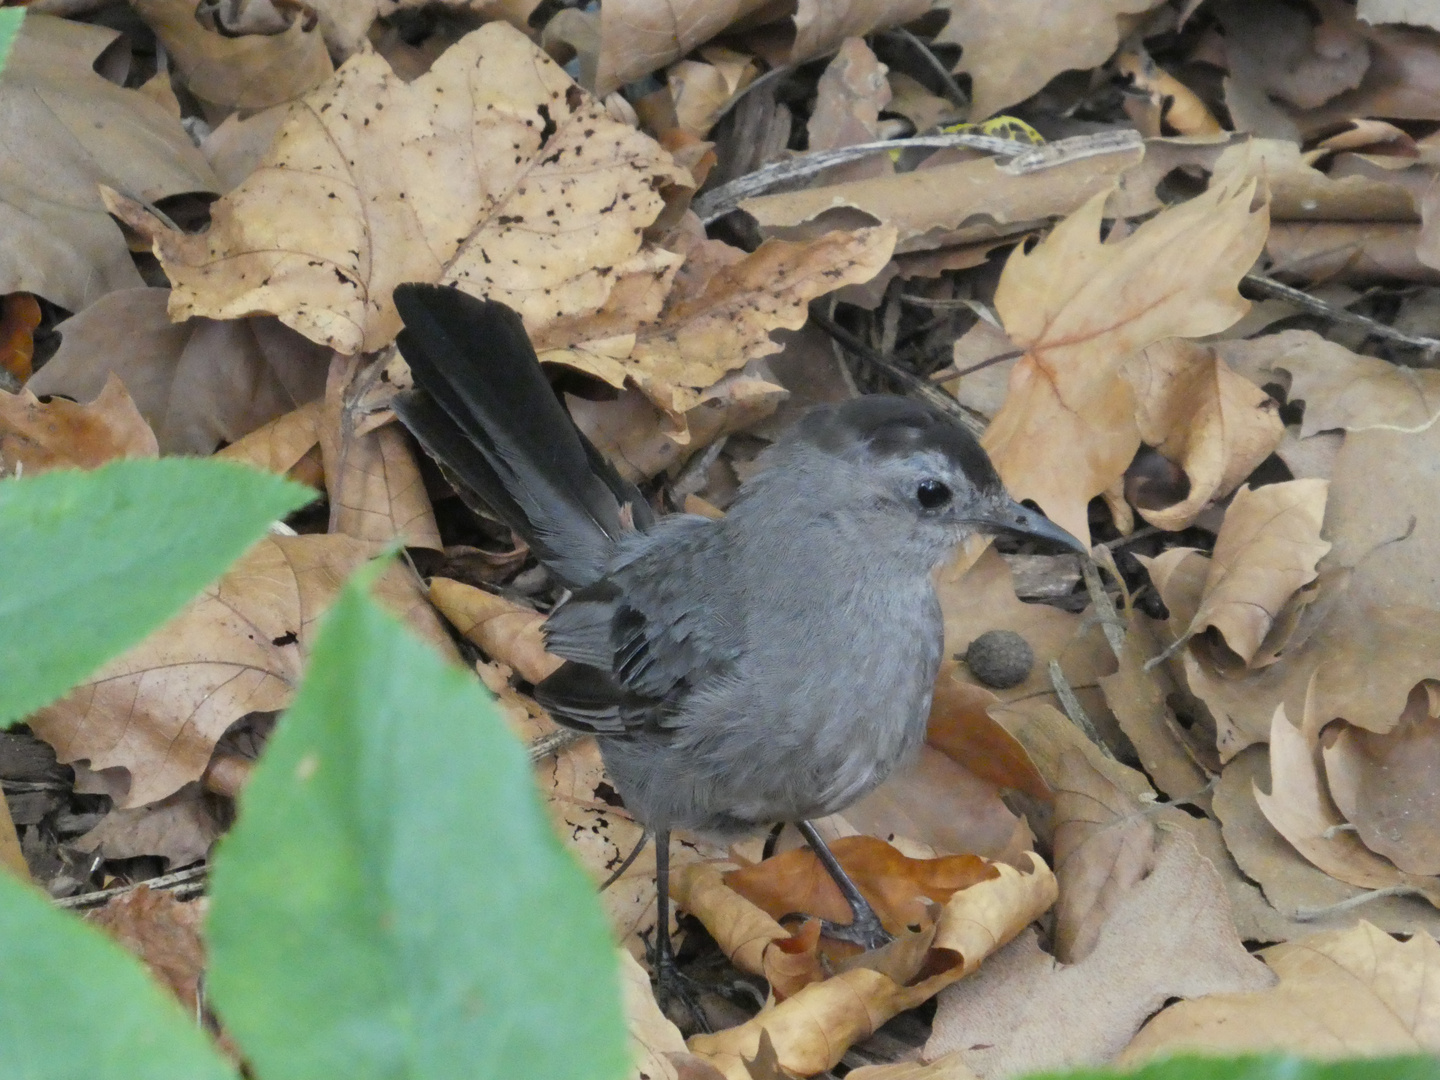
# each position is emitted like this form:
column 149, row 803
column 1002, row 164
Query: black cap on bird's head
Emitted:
column 953, row 478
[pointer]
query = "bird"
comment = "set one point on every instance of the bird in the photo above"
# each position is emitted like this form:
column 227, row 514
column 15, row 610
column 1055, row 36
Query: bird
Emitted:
column 773, row 665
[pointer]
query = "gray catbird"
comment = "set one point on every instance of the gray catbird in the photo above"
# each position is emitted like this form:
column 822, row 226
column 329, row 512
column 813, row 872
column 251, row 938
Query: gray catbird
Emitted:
column 772, row 666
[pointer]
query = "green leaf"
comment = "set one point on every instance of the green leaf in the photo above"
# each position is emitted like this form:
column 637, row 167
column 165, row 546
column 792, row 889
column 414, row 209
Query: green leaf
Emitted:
column 393, row 900
column 10, row 20
column 91, row 562
column 1269, row 1067
column 73, row 1003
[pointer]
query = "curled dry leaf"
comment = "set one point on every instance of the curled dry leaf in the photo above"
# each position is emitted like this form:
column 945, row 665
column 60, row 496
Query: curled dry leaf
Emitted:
column 1300, row 192
column 1302, row 811
column 503, row 629
column 1305, row 899
column 1199, row 414
column 1340, row 389
column 641, row 36
column 1167, row 935
column 179, row 829
column 1266, row 551
column 812, row 1030
column 719, row 317
column 492, row 159
column 60, row 434
column 962, row 203
column 249, row 71
column 652, row 1035
column 1388, row 786
column 281, row 444
column 1081, row 308
column 1341, row 994
column 158, row 710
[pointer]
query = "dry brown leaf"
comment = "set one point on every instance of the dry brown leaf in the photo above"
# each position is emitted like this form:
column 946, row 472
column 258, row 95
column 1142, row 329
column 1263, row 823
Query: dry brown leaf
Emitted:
column 250, row 71
column 281, row 444
column 36, row 438
column 1301, row 192
column 1304, row 898
column 12, row 859
column 812, row 1030
column 1355, row 253
column 1081, row 308
column 1140, row 700
column 849, row 97
column 719, row 318
column 179, row 829
column 1168, row 936
column 949, row 1067
column 1341, row 994
column 1388, row 786
column 1202, row 416
column 1301, row 810
column 1383, row 520
column 982, row 598
column 652, row 1036
column 503, row 629
column 938, row 802
column 158, row 709
column 1341, row 389
column 1013, row 49
column 164, row 933
column 961, row 203
column 74, row 130
column 492, row 169
column 371, row 474
column 198, row 383
column 1266, row 551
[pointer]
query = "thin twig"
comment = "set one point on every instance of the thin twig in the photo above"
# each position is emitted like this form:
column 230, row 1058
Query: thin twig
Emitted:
column 952, row 88
column 1139, row 534
column 1111, row 624
column 553, row 743
column 907, row 381
column 1311, row 914
column 183, row 884
column 719, row 202
column 1073, row 709
column 1335, row 313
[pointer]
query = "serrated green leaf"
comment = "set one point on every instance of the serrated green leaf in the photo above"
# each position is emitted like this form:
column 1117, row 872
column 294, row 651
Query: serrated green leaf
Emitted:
column 91, row 562
column 73, row 1003
column 1267, row 1067
column 393, row 900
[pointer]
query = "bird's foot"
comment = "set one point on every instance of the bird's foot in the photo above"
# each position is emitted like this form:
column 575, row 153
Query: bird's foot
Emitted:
column 865, row 929
column 673, row 988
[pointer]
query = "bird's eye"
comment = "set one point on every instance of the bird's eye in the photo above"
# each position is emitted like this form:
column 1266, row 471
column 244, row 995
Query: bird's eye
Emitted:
column 932, row 493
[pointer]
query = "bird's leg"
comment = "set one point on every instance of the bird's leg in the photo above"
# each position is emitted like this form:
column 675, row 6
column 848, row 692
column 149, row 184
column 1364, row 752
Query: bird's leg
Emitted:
column 864, row 928
column 670, row 982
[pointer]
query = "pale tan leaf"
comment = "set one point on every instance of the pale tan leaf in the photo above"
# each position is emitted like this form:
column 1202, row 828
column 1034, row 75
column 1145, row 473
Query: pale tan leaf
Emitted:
column 1340, row 389
column 1168, row 935
column 1388, row 786
column 505, row 630
column 12, row 859
column 281, row 444
column 179, row 829
column 1067, row 431
column 493, row 159
column 1266, row 551
column 1302, row 811
column 1341, row 994
column 1011, row 50
column 1199, row 414
column 250, row 71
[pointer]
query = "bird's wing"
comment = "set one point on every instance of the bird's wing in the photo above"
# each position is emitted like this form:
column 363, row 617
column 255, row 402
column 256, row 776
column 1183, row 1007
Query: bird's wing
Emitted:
column 641, row 640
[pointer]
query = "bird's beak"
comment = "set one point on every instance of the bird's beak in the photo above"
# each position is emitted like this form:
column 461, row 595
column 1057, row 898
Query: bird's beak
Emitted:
column 1004, row 514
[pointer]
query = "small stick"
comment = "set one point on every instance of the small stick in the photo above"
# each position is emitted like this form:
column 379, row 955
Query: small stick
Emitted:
column 1280, row 291
column 183, row 883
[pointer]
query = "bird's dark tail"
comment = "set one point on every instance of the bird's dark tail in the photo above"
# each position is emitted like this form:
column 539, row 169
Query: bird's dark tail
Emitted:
column 483, row 408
